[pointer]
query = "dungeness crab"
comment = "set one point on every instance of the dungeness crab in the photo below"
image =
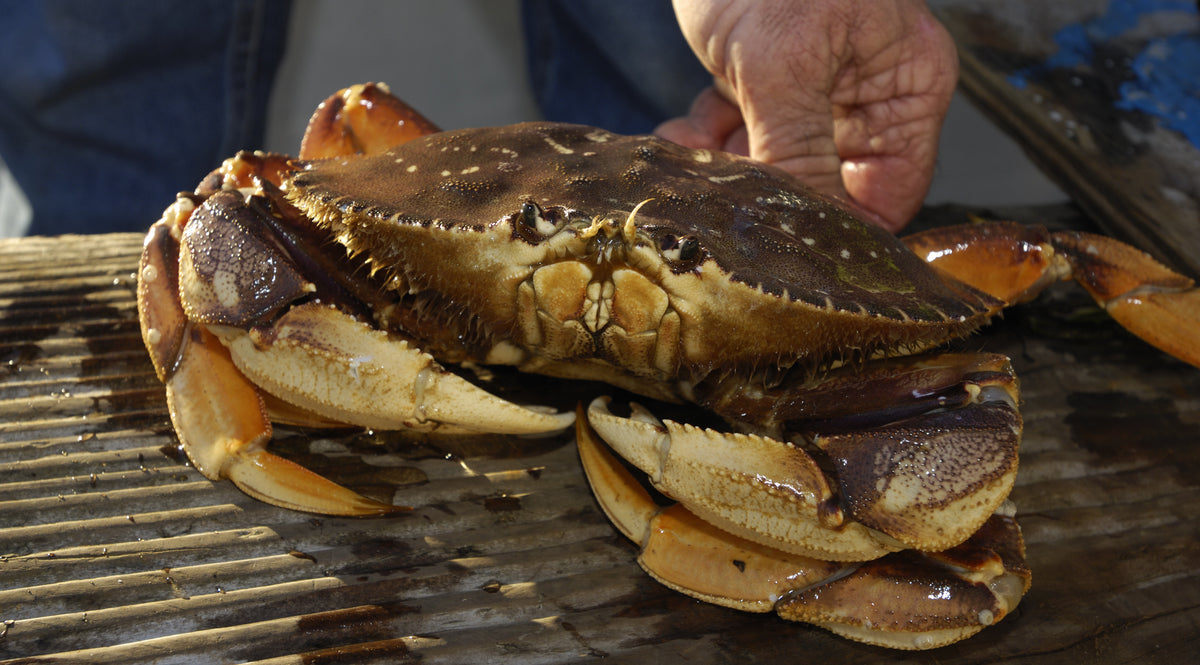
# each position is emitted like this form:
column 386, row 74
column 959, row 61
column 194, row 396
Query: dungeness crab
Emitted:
column 865, row 486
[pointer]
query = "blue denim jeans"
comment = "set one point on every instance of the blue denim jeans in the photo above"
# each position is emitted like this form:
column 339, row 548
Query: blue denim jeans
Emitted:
column 109, row 108
column 618, row 64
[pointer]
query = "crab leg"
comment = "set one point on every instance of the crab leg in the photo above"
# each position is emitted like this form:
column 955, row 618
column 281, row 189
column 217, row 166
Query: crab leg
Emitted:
column 222, row 423
column 907, row 600
column 1014, row 263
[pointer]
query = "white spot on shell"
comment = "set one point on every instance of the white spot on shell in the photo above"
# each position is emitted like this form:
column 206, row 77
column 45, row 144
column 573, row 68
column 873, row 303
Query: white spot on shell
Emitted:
column 225, row 288
column 149, row 273
column 153, row 336
column 809, row 241
column 845, row 254
column 598, row 136
column 355, row 363
column 411, row 168
column 470, row 170
column 726, row 178
column 702, row 156
column 558, row 147
column 445, row 174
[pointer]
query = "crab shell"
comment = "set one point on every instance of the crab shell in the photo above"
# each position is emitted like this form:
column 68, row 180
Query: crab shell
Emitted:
column 630, row 258
column 682, row 275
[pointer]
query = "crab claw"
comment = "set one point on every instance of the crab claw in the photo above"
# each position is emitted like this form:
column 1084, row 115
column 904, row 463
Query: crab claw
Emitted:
column 686, row 553
column 219, row 416
column 222, row 424
column 327, row 363
column 922, row 600
column 760, row 489
column 926, row 482
column 361, row 119
column 907, row 600
column 215, row 372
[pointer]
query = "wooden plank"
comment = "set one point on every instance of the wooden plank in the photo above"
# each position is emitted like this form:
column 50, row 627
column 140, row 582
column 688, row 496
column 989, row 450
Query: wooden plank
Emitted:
column 1131, row 171
column 112, row 549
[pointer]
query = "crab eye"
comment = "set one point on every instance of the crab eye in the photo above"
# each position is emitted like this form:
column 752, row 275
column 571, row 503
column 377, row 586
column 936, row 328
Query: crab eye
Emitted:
column 532, row 223
column 683, row 252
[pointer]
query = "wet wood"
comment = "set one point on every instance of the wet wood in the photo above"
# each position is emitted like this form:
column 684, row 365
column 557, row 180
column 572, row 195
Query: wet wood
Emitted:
column 112, row 549
column 1135, row 176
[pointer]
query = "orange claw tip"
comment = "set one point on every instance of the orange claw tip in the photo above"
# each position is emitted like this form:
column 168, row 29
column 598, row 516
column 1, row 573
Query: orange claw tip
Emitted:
column 1168, row 321
column 283, row 483
column 362, row 119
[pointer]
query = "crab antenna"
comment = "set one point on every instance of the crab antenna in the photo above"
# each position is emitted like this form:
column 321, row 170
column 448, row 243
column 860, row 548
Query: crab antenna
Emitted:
column 627, row 231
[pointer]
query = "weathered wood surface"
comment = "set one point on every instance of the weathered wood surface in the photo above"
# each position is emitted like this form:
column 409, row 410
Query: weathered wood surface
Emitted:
column 1139, row 179
column 112, row 549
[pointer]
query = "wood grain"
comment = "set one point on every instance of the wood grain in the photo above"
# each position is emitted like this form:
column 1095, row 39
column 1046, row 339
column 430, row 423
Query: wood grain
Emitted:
column 112, row 549
column 1138, row 179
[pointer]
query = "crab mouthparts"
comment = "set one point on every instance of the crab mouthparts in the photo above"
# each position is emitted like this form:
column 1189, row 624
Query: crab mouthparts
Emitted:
column 609, row 226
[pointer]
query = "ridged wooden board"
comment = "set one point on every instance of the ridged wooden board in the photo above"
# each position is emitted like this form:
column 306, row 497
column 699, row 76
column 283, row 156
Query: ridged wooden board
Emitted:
column 1133, row 173
column 113, row 549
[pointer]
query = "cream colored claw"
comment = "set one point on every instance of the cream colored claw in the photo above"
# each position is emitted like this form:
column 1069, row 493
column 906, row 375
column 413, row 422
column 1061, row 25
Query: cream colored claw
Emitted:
column 760, row 489
column 222, row 424
column 686, row 554
column 326, row 362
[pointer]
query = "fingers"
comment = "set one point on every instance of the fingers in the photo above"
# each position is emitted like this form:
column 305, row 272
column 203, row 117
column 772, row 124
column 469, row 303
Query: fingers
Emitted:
column 888, row 125
column 848, row 97
column 712, row 123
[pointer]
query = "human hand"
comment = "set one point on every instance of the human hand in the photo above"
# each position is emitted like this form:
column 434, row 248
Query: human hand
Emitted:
column 847, row 95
